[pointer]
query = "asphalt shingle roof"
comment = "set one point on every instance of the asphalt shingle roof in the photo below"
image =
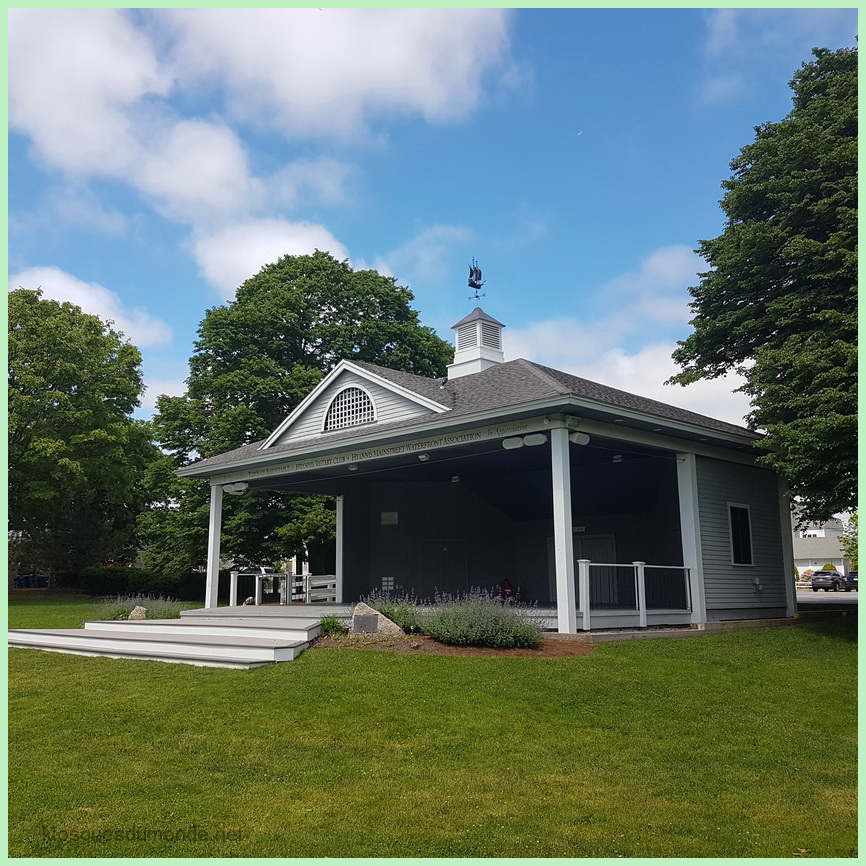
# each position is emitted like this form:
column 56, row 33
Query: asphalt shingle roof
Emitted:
column 503, row 386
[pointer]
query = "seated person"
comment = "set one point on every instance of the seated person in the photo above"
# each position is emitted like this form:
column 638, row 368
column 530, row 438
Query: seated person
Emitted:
column 507, row 591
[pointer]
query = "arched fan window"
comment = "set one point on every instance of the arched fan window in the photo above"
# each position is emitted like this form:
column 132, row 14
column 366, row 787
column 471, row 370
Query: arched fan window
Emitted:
column 350, row 407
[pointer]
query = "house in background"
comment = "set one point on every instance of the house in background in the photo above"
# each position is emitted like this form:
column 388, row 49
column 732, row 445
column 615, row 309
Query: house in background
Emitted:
column 817, row 544
column 615, row 509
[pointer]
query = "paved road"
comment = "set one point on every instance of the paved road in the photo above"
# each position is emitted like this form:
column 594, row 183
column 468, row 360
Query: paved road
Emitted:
column 826, row 600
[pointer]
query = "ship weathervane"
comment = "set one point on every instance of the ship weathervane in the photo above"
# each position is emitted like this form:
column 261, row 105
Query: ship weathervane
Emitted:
column 475, row 281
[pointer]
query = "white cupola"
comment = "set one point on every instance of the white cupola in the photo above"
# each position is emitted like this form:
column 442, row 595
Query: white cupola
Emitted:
column 478, row 344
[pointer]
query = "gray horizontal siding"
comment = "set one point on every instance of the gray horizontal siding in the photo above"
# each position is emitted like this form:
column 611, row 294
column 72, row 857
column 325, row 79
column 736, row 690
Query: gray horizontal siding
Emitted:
column 732, row 586
column 389, row 407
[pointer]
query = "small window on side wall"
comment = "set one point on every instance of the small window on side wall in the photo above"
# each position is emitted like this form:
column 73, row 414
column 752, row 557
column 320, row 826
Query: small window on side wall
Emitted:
column 740, row 523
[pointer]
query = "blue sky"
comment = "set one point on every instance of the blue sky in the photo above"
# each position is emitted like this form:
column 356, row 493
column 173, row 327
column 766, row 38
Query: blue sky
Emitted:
column 157, row 158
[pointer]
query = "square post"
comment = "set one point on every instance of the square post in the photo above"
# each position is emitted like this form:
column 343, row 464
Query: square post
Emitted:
column 640, row 576
column 583, row 585
column 213, row 545
column 563, row 540
column 260, row 578
column 338, row 568
column 690, row 528
column 787, row 548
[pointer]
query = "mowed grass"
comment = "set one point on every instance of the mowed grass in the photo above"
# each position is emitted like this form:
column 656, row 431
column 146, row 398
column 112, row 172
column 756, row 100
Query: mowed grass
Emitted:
column 735, row 745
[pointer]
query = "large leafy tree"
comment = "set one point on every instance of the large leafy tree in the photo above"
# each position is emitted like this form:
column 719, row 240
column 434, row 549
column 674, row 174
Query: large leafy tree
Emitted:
column 780, row 301
column 76, row 455
column 255, row 360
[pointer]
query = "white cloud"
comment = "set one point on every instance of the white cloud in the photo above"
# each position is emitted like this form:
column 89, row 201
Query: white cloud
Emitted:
column 232, row 255
column 737, row 39
column 137, row 324
column 74, row 76
column 423, row 258
column 90, row 92
column 627, row 334
column 196, row 170
column 322, row 180
column 155, row 388
column 312, row 72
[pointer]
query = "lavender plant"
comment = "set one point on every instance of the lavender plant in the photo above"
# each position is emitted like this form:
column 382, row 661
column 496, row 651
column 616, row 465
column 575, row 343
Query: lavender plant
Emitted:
column 158, row 607
column 398, row 607
column 479, row 618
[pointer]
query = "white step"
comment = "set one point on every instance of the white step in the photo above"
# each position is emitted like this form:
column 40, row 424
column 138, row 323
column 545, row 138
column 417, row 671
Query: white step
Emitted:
column 151, row 655
column 276, row 629
column 160, row 645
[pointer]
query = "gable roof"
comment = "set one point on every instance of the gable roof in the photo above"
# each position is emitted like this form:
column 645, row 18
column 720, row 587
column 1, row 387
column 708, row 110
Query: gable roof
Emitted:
column 505, row 386
column 368, row 371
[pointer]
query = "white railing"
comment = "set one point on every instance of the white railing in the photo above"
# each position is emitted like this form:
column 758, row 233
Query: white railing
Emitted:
column 583, row 585
column 314, row 587
column 292, row 587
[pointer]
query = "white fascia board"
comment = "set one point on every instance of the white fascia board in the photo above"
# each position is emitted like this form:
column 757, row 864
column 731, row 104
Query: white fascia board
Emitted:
column 540, row 407
column 341, row 367
column 661, row 420
column 437, row 423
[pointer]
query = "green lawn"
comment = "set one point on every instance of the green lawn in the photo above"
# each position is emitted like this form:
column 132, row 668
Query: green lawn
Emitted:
column 693, row 747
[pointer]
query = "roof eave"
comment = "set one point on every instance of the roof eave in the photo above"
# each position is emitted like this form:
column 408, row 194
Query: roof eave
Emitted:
column 558, row 403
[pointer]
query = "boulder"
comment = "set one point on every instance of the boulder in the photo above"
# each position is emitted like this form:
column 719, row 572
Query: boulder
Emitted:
column 362, row 619
column 138, row 612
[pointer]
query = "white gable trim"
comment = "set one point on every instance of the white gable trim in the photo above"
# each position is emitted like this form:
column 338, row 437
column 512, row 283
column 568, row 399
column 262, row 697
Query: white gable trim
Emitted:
column 342, row 367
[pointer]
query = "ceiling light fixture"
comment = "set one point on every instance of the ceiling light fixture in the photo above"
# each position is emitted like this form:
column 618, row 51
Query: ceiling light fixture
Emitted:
column 535, row 439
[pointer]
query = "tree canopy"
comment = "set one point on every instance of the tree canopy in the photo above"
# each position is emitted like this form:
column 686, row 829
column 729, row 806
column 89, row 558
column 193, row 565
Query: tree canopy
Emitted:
column 255, row 360
column 76, row 455
column 779, row 304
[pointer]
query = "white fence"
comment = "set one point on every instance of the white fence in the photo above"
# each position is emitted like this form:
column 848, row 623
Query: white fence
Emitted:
column 585, row 603
column 291, row 587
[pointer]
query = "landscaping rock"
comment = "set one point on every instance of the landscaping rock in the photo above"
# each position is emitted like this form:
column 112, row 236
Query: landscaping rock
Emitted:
column 138, row 612
column 363, row 612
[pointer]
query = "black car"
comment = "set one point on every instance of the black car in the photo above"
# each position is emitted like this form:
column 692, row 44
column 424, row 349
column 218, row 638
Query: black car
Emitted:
column 827, row 580
column 851, row 581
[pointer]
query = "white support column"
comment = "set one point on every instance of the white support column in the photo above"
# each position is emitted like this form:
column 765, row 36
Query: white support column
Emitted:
column 640, row 576
column 213, row 545
column 787, row 548
column 563, row 541
column 338, row 568
column 233, row 588
column 259, row 581
column 583, row 586
column 690, row 528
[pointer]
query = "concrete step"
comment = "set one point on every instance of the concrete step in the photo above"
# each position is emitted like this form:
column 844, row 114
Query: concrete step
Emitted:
column 285, row 628
column 161, row 646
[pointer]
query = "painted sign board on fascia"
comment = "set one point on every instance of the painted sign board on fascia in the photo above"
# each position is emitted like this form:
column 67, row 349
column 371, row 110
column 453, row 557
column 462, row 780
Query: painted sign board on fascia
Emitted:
column 394, row 449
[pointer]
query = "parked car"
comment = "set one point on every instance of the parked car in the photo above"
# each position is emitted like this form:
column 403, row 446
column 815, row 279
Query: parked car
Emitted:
column 851, row 581
column 827, row 580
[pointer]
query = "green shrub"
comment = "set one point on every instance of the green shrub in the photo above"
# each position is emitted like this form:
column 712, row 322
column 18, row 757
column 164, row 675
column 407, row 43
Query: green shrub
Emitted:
column 158, row 607
column 331, row 626
column 480, row 619
column 400, row 609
